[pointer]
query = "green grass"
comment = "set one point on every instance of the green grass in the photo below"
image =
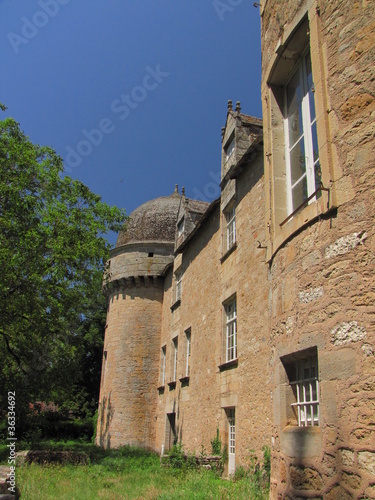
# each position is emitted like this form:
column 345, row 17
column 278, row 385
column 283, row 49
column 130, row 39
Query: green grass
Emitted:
column 126, row 473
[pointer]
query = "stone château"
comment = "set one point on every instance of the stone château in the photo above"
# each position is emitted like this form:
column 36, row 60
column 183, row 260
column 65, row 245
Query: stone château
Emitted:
column 254, row 314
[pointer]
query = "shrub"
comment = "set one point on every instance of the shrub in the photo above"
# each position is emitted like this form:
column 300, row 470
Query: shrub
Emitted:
column 240, row 473
column 216, row 444
column 267, row 461
column 176, row 457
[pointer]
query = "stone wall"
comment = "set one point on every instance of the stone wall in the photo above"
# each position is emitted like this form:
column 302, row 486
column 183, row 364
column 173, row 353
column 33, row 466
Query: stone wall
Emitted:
column 208, row 279
column 322, row 286
column 130, row 368
column 196, row 402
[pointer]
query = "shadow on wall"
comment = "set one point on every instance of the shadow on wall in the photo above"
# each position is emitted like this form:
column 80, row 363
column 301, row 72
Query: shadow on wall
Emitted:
column 105, row 417
column 303, row 443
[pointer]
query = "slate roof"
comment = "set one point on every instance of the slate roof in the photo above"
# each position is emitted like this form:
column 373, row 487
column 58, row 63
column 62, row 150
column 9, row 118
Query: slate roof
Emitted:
column 251, row 120
column 153, row 221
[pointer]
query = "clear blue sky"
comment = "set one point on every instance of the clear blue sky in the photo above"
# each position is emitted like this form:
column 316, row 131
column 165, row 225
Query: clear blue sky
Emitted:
column 152, row 76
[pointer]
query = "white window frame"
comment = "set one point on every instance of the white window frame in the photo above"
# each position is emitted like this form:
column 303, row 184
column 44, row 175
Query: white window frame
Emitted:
column 230, row 148
column 163, row 364
column 307, row 136
column 231, row 417
column 230, row 330
column 232, row 431
column 230, row 218
column 306, row 386
column 181, row 227
column 188, row 351
column 178, row 285
column 174, row 358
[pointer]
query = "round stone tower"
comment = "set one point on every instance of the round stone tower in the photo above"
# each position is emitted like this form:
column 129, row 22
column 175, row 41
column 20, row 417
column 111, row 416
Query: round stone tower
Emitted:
column 135, row 284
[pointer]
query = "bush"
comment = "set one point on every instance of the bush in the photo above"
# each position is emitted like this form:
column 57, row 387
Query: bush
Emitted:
column 178, row 460
column 216, row 444
column 176, row 457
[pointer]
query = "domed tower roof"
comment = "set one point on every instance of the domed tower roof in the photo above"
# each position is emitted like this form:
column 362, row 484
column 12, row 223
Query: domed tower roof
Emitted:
column 153, row 221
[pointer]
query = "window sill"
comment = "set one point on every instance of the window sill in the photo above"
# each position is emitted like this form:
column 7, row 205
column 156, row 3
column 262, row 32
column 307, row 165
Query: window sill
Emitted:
column 302, row 218
column 172, row 385
column 295, row 429
column 176, row 304
column 228, row 364
column 184, row 380
column 229, row 252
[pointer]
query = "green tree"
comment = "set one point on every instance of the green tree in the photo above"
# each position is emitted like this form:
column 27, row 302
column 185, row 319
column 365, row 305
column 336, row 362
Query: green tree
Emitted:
column 52, row 257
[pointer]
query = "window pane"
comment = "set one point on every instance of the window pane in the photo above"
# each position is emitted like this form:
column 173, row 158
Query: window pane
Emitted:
column 229, row 150
column 301, row 135
column 297, row 161
column 294, row 109
column 294, row 93
column 295, row 125
column 299, row 193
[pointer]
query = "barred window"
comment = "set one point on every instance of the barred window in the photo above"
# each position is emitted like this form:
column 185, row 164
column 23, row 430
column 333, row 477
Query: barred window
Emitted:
column 302, row 373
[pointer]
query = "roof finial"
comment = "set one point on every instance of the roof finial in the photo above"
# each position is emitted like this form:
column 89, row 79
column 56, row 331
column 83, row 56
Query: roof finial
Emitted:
column 183, row 191
column 229, row 105
column 238, row 106
column 176, row 188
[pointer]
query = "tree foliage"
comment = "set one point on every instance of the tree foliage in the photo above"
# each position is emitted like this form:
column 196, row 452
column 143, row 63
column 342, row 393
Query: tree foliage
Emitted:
column 52, row 257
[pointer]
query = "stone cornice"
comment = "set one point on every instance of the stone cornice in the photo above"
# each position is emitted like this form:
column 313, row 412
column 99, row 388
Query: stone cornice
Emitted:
column 124, row 283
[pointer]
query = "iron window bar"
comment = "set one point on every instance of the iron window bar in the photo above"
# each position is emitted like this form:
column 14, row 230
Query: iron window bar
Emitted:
column 304, row 203
column 305, row 404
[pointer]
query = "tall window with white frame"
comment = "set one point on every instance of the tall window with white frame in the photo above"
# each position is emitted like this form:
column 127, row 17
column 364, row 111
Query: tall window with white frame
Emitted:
column 188, row 352
column 178, row 291
column 181, row 227
column 174, row 359
column 230, row 219
column 162, row 365
column 230, row 331
column 230, row 147
column 301, row 139
column 304, row 382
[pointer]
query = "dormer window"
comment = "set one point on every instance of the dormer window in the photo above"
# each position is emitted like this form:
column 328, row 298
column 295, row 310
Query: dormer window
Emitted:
column 229, row 148
column 181, row 227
